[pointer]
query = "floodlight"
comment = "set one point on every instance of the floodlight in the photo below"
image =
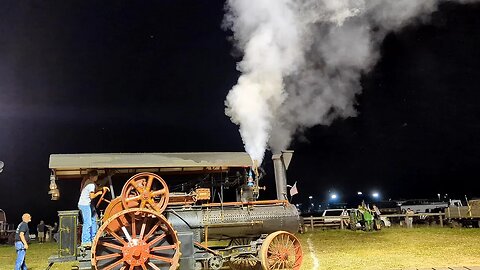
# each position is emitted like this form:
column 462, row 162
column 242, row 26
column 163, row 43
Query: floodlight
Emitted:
column 310, row 197
column 359, row 193
column 375, row 195
column 333, row 196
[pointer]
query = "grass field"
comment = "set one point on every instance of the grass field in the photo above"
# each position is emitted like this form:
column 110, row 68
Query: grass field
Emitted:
column 37, row 257
column 342, row 249
column 394, row 248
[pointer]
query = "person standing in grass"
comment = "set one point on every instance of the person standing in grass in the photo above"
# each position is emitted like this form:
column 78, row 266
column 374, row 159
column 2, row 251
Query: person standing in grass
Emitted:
column 368, row 217
column 409, row 218
column 22, row 238
column 55, row 231
column 41, row 232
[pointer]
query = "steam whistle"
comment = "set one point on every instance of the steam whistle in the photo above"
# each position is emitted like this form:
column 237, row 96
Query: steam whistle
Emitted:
column 251, row 178
column 250, row 181
column 250, row 190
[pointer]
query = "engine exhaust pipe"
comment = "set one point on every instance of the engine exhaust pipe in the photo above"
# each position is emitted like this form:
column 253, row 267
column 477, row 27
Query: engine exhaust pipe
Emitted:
column 280, row 164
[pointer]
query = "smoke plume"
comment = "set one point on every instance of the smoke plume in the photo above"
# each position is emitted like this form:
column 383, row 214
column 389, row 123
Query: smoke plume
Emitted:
column 303, row 59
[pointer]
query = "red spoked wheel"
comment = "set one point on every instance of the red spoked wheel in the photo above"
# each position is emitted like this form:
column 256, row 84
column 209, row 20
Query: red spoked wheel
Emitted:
column 135, row 239
column 281, row 250
column 145, row 190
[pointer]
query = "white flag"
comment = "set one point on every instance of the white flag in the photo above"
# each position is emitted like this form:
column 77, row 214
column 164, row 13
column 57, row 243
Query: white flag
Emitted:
column 294, row 190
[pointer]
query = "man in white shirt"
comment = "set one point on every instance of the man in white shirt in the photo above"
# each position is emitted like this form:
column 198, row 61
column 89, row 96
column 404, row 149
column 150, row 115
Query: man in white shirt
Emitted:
column 89, row 228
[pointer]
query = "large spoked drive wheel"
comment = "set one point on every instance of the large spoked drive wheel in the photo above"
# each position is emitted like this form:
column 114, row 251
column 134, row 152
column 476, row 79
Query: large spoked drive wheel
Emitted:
column 145, row 190
column 281, row 250
column 135, row 239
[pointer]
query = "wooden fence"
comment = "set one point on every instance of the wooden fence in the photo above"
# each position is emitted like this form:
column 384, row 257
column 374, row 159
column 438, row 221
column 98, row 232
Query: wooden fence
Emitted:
column 311, row 222
column 401, row 217
column 325, row 222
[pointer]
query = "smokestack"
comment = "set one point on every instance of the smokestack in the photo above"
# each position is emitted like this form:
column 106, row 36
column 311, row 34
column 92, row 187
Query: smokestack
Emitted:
column 280, row 164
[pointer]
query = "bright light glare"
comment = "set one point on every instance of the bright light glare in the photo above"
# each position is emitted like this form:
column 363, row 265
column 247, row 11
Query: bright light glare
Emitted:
column 334, row 196
column 375, row 195
column 310, row 197
column 359, row 193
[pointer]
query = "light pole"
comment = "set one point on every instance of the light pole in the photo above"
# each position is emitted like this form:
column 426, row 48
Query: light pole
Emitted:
column 311, row 203
column 333, row 198
column 360, row 198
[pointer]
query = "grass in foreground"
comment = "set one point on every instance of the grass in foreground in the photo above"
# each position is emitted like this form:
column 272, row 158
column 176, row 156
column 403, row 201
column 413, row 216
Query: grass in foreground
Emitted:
column 37, row 257
column 394, row 248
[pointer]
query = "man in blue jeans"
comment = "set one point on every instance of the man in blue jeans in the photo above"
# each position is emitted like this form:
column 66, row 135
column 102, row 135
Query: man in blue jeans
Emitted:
column 22, row 237
column 89, row 228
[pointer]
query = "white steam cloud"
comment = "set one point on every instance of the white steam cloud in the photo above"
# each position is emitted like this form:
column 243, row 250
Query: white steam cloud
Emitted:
column 302, row 61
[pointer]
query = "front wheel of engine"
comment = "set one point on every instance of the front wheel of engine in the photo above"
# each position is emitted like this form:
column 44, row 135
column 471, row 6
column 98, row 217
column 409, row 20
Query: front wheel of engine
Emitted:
column 281, row 250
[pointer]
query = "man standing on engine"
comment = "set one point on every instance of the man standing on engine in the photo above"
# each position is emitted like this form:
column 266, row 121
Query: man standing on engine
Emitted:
column 89, row 215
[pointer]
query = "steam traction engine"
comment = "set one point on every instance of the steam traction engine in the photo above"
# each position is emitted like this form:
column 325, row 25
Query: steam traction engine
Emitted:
column 149, row 227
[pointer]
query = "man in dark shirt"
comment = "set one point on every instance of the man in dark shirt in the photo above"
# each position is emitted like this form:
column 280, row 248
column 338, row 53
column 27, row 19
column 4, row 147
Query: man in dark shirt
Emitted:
column 22, row 237
column 41, row 232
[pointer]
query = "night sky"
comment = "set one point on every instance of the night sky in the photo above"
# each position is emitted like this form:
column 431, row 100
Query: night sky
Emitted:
column 92, row 77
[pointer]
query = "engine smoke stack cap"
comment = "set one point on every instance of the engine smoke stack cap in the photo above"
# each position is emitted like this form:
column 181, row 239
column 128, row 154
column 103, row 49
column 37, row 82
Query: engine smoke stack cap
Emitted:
column 285, row 156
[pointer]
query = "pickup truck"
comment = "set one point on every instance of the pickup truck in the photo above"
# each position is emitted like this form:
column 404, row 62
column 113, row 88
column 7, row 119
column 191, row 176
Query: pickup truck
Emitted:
column 335, row 217
column 466, row 216
column 7, row 231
